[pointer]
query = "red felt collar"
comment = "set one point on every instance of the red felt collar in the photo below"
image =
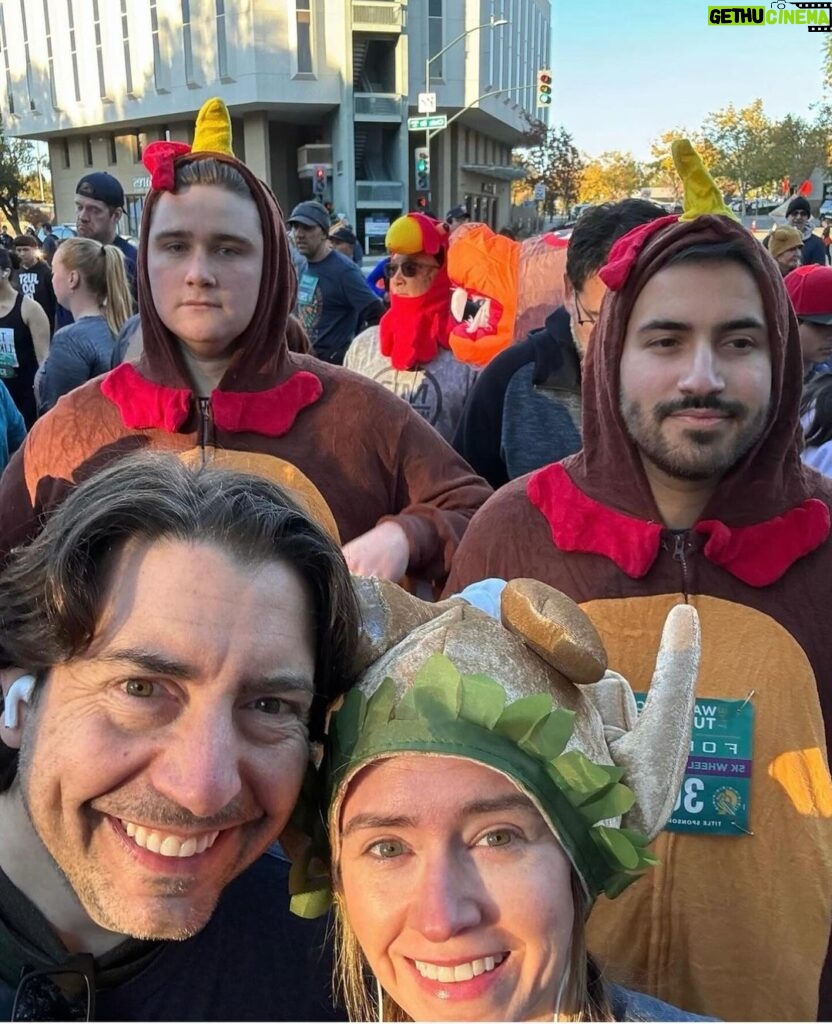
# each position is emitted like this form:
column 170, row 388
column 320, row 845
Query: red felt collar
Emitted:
column 758, row 554
column 144, row 405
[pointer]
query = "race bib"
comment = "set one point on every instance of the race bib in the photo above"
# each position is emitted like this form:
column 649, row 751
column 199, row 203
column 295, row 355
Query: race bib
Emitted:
column 8, row 353
column 716, row 791
column 306, row 289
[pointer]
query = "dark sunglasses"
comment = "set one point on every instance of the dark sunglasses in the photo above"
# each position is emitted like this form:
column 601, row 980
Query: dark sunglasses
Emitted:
column 410, row 268
column 57, row 993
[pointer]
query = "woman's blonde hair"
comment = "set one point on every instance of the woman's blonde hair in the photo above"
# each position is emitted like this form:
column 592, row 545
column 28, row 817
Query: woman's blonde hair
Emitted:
column 583, row 993
column 103, row 272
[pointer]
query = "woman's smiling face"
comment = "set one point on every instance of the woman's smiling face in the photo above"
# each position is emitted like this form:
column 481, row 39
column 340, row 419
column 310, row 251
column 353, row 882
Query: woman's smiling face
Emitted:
column 456, row 889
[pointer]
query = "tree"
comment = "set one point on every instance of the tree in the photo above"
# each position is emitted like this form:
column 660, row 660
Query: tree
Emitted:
column 34, row 185
column 797, row 147
column 741, row 141
column 611, row 176
column 551, row 160
column 16, row 162
column 827, row 63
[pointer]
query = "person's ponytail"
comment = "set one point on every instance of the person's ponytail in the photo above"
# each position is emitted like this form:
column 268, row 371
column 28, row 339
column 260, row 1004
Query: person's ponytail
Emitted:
column 118, row 302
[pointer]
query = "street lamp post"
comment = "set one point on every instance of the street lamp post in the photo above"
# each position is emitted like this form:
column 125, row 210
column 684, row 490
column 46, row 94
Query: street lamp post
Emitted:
column 491, row 23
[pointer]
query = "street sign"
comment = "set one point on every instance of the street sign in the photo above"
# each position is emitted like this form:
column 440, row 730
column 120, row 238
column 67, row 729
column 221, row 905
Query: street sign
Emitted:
column 539, row 192
column 427, row 103
column 421, row 124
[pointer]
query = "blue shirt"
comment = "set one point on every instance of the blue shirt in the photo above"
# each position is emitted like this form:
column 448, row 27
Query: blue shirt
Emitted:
column 12, row 427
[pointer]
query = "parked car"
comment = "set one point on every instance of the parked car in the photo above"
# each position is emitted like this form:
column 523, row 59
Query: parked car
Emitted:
column 60, row 231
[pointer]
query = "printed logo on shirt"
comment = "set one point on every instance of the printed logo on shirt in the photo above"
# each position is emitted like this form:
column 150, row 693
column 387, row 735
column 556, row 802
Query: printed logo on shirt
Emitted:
column 28, row 281
column 419, row 388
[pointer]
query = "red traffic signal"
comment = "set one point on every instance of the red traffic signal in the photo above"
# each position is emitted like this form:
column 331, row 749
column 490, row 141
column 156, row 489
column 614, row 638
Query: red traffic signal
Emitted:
column 319, row 180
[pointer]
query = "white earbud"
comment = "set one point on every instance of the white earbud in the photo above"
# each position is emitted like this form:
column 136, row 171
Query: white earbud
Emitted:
column 20, row 692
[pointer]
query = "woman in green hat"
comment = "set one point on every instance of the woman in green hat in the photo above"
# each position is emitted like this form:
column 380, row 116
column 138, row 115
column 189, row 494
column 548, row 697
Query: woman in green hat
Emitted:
column 479, row 779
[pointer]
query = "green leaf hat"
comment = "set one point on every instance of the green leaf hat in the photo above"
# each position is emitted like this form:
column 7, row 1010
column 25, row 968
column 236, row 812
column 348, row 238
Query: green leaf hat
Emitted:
column 528, row 696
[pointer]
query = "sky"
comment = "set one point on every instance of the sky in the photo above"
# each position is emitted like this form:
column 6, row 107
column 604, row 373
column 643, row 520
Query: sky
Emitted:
column 624, row 71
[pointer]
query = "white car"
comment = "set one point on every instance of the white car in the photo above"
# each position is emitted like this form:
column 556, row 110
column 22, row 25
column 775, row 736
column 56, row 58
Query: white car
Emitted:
column 60, row 231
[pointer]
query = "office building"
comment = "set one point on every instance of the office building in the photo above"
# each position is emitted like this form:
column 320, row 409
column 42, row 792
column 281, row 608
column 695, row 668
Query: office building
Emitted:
column 309, row 83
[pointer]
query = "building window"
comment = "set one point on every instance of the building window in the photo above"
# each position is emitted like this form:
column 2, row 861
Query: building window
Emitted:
column 435, row 36
column 511, row 60
column 50, row 64
column 112, row 152
column 523, row 70
column 125, row 45
column 65, row 155
column 222, row 42
column 9, row 93
column 99, row 50
column 154, row 35
column 187, row 43
column 303, row 20
column 30, row 92
column 140, row 145
column 88, row 161
column 73, row 50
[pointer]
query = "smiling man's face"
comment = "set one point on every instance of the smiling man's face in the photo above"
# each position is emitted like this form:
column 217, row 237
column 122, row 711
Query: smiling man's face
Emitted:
column 160, row 764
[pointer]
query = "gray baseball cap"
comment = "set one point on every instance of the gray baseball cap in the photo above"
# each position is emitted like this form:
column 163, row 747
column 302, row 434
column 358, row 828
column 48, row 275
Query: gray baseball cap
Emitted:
column 312, row 214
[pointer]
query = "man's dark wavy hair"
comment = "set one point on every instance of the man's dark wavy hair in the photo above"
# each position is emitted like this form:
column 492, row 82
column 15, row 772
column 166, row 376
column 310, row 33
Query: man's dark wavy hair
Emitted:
column 52, row 592
column 596, row 231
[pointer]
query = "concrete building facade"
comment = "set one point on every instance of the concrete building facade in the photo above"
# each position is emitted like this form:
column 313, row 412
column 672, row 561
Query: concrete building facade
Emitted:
column 308, row 83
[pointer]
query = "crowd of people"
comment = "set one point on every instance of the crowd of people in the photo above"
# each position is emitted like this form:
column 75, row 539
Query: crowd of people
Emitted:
column 411, row 688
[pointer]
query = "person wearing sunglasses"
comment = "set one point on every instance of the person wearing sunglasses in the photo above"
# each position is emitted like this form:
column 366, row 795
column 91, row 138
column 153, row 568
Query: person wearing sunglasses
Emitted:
column 167, row 648
column 408, row 352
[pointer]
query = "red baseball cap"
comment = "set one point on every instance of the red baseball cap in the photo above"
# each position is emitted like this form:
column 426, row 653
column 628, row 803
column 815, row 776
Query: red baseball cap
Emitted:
column 810, row 289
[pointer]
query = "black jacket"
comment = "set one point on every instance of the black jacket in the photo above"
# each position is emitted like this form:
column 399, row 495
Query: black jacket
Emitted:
column 524, row 410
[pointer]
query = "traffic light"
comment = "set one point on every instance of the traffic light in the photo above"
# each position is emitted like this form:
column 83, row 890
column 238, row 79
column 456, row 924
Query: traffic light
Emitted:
column 319, row 180
column 544, row 87
column 422, row 202
column 421, row 165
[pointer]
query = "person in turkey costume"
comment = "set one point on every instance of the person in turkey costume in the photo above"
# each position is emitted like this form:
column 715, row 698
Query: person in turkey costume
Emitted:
column 690, row 488
column 216, row 375
column 485, row 779
column 409, row 351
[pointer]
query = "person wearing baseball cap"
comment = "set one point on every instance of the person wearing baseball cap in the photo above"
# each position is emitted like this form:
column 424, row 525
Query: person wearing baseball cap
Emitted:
column 334, row 300
column 456, row 216
column 799, row 215
column 99, row 204
column 810, row 291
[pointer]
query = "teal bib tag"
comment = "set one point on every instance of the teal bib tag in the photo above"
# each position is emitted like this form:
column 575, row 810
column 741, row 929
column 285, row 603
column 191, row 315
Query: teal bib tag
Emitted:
column 716, row 791
column 306, row 289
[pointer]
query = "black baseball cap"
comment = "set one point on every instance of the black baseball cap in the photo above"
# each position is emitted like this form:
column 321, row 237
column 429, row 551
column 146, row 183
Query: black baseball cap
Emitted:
column 457, row 213
column 343, row 235
column 103, row 187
